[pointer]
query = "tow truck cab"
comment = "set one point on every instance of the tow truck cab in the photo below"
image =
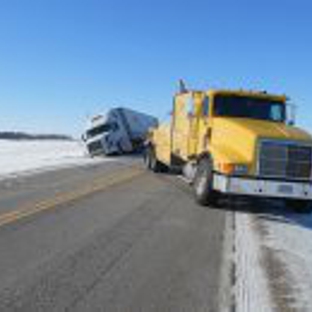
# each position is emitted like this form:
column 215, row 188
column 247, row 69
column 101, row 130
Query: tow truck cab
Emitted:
column 235, row 142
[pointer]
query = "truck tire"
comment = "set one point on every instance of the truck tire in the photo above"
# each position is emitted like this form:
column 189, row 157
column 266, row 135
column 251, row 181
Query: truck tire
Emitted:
column 203, row 183
column 150, row 160
column 299, row 206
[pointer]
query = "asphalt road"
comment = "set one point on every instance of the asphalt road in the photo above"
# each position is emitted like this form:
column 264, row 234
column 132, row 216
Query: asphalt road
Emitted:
column 109, row 237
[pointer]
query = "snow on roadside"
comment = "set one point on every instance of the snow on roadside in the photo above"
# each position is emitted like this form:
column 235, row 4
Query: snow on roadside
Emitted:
column 273, row 259
column 22, row 157
column 251, row 289
column 290, row 237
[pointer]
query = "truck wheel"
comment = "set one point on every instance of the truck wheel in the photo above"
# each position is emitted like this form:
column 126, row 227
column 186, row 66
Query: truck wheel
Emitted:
column 299, row 206
column 203, row 183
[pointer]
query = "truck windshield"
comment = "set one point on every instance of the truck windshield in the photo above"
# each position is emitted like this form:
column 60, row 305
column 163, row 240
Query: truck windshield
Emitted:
column 98, row 130
column 249, row 107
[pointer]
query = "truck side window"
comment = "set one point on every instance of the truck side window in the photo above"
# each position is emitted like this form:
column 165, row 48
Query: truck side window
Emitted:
column 206, row 106
column 277, row 113
column 189, row 106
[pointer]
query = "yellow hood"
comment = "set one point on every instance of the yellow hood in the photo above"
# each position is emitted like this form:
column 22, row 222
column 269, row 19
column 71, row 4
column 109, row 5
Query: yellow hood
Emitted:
column 265, row 129
column 235, row 139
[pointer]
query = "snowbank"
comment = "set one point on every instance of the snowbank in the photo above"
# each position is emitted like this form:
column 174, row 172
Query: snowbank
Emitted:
column 273, row 259
column 251, row 285
column 17, row 157
column 290, row 237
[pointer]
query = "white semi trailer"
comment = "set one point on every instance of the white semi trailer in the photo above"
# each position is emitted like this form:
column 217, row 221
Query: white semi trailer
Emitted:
column 119, row 131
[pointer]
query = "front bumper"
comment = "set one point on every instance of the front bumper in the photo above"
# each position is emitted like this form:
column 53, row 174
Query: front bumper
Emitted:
column 262, row 188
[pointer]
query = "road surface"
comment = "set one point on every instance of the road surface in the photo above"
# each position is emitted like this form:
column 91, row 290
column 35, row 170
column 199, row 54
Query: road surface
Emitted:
column 108, row 237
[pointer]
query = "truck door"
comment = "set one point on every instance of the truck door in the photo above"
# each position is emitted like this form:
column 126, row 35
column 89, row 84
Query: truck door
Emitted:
column 184, row 126
column 194, row 123
column 204, row 125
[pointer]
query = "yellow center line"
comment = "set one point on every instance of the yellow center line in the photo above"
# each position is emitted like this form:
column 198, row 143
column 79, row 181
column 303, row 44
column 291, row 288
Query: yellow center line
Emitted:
column 64, row 198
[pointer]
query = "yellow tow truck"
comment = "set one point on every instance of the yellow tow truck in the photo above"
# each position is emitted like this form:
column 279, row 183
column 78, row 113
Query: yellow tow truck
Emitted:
column 235, row 142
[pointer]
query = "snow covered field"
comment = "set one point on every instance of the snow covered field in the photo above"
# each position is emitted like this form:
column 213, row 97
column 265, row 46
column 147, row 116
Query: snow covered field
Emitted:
column 21, row 157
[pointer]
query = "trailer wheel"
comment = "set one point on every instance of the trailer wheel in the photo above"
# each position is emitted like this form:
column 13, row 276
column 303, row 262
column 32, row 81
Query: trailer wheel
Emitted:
column 299, row 206
column 203, row 183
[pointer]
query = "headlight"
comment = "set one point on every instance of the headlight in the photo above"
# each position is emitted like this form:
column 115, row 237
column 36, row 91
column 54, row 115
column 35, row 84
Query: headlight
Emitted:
column 235, row 169
column 240, row 169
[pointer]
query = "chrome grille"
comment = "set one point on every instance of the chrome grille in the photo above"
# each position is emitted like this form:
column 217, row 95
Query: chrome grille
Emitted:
column 285, row 160
column 95, row 147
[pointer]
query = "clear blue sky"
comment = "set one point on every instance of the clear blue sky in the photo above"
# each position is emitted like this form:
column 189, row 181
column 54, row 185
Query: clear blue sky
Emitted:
column 64, row 60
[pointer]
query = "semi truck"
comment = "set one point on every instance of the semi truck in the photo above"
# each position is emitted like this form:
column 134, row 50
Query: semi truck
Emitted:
column 119, row 131
column 237, row 143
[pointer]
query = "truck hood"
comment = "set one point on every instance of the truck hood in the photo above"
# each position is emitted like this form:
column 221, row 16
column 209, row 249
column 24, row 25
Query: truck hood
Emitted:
column 235, row 139
column 262, row 129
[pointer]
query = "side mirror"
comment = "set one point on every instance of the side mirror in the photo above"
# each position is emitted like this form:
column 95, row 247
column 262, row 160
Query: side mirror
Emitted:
column 291, row 114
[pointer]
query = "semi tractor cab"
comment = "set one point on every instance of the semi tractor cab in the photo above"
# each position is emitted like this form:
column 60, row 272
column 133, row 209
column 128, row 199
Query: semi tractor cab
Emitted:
column 235, row 143
column 119, row 131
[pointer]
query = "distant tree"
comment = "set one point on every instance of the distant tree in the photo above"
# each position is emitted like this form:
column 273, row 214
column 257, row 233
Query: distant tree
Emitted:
column 12, row 135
